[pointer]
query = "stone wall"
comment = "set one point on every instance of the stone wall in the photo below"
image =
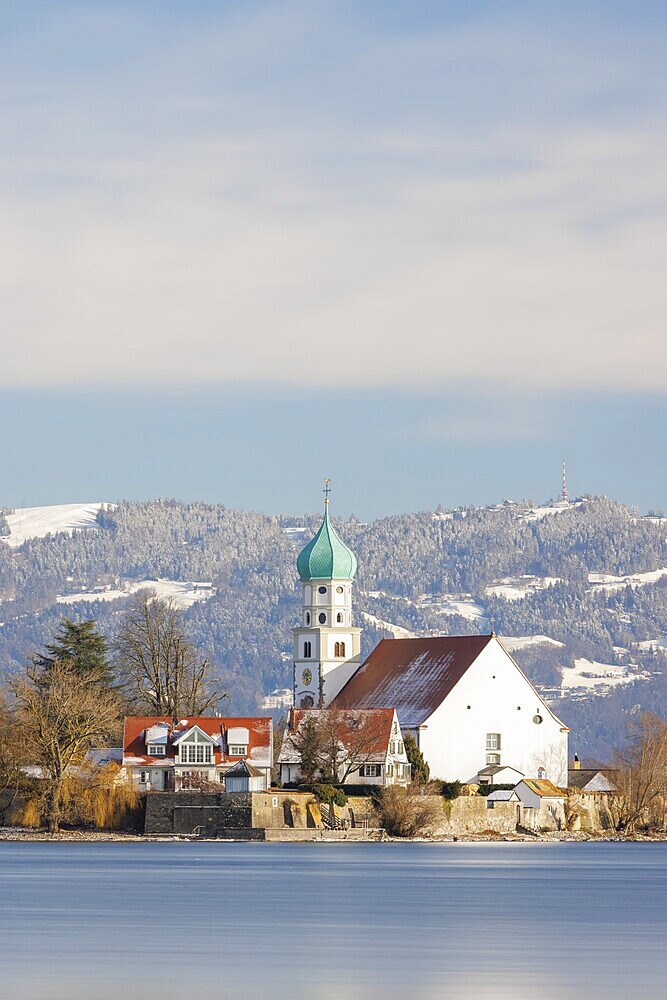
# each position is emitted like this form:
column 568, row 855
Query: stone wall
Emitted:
column 217, row 814
column 472, row 815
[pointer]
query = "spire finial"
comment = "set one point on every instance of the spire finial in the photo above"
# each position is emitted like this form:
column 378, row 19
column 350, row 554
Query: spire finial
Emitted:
column 327, row 490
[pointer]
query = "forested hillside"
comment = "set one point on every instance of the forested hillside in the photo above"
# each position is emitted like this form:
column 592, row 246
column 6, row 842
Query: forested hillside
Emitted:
column 577, row 589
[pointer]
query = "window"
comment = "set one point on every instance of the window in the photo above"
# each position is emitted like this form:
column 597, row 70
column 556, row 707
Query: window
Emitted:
column 307, row 617
column 493, row 758
column 145, row 777
column 392, row 747
column 238, row 751
column 339, row 617
column 307, row 701
column 390, row 770
column 322, row 590
column 339, row 590
column 339, row 649
column 196, row 753
column 493, row 741
column 307, row 650
column 370, row 770
column 158, row 750
column 322, row 618
column 400, row 746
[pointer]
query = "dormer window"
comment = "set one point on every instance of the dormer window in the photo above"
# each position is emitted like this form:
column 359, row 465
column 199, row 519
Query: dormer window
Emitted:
column 158, row 750
column 238, row 751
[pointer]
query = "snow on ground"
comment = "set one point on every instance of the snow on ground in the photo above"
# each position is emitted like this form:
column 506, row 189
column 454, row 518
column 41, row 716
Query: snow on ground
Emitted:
column 453, row 604
column 516, row 588
column 591, row 674
column 604, row 581
column 184, row 593
column 37, row 522
column 659, row 643
column 514, row 642
column 537, row 513
column 397, row 631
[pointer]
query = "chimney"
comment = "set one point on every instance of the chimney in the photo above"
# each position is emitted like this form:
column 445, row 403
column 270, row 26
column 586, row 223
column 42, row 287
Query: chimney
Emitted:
column 291, row 725
column 577, row 763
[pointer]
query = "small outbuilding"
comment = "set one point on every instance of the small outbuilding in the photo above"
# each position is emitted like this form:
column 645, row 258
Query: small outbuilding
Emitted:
column 243, row 777
column 499, row 774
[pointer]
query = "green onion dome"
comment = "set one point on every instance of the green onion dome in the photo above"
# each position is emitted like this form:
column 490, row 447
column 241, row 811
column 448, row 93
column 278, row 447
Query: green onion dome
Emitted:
column 326, row 556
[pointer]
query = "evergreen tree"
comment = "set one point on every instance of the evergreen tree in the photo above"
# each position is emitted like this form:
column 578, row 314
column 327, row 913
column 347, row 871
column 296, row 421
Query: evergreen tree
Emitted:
column 81, row 644
column 420, row 769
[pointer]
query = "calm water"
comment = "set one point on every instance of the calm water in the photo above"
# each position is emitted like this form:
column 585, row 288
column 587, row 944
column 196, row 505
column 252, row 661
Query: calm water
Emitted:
column 418, row 921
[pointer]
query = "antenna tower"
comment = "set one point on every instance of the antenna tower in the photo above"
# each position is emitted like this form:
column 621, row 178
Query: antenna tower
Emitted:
column 564, row 494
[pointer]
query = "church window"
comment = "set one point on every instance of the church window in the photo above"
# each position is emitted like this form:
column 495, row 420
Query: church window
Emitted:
column 339, row 617
column 339, row 649
column 322, row 618
column 307, row 650
column 339, row 590
column 322, row 590
column 307, row 617
column 307, row 701
column 493, row 741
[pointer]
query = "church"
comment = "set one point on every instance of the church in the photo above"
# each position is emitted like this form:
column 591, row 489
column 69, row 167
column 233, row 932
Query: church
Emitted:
column 471, row 709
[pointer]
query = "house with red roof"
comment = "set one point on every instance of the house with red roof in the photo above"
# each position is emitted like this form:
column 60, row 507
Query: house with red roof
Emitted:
column 363, row 747
column 165, row 754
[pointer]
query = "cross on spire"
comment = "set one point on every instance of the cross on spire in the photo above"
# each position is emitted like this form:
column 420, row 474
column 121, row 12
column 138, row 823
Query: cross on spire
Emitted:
column 327, row 490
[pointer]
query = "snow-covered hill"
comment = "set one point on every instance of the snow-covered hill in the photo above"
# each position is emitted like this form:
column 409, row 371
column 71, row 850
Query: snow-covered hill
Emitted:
column 38, row 522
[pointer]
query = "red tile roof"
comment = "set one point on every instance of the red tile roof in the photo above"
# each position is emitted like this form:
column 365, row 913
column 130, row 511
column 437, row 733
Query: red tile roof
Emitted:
column 414, row 676
column 370, row 727
column 259, row 733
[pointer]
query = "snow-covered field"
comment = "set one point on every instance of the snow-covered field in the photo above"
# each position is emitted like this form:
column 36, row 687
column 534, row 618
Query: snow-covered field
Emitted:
column 37, row 522
column 604, row 581
column 537, row 513
column 591, row 674
column 516, row 588
column 396, row 630
column 453, row 604
column 184, row 593
column 514, row 642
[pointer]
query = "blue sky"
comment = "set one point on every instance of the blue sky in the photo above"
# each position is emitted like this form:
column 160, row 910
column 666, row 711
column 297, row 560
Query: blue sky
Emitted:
column 419, row 247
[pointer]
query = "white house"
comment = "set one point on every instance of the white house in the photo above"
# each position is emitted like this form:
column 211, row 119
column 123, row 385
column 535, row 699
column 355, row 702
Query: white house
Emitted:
column 372, row 751
column 467, row 703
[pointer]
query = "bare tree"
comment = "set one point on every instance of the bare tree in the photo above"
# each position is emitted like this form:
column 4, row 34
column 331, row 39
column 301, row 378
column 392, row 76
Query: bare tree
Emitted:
column 12, row 757
column 161, row 669
column 332, row 743
column 58, row 721
column 641, row 776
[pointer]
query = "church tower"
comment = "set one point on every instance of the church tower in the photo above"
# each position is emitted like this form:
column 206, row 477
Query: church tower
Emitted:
column 326, row 645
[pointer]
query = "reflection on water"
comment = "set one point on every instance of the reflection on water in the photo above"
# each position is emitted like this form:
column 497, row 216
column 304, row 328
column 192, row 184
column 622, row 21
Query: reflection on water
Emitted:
column 160, row 921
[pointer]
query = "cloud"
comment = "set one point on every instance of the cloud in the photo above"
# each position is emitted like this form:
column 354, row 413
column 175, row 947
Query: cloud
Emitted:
column 259, row 198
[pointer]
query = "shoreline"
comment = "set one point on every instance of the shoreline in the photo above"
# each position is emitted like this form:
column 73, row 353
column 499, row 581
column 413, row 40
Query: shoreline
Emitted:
column 25, row 835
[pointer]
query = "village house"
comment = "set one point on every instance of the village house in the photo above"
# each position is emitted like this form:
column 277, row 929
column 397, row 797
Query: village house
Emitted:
column 163, row 754
column 369, row 746
column 591, row 779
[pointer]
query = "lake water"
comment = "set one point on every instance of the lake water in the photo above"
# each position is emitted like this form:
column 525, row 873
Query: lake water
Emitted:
column 157, row 921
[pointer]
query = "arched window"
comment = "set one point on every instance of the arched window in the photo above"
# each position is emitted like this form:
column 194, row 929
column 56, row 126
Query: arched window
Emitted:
column 322, row 618
column 339, row 617
column 307, row 617
column 307, row 650
column 339, row 649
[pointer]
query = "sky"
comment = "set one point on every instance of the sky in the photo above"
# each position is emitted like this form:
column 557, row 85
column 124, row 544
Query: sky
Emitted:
column 418, row 247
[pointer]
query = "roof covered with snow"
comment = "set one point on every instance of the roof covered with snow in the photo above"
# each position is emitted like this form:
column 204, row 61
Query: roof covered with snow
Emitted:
column 414, row 676
column 136, row 727
column 365, row 731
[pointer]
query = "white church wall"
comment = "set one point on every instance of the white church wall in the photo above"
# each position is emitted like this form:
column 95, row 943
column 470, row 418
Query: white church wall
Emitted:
column 493, row 697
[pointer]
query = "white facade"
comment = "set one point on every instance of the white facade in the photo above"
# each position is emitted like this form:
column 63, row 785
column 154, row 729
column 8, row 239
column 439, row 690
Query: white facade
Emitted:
column 493, row 715
column 326, row 644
